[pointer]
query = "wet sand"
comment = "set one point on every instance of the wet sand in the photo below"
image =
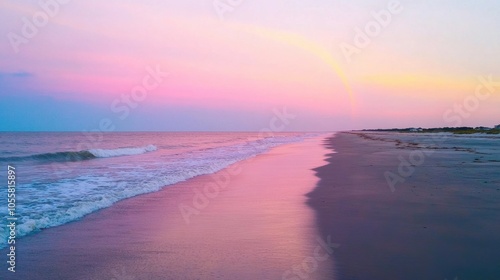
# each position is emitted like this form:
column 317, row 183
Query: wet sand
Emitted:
column 442, row 222
column 256, row 226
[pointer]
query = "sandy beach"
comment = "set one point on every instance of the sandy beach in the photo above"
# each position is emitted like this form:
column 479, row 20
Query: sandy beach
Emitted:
column 321, row 209
column 440, row 223
column 257, row 226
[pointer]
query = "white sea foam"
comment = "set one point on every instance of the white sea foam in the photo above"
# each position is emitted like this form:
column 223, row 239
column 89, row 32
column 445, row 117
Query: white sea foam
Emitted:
column 101, row 153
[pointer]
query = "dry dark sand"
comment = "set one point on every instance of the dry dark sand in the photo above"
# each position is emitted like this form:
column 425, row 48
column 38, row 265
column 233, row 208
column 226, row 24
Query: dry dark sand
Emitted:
column 257, row 227
column 443, row 222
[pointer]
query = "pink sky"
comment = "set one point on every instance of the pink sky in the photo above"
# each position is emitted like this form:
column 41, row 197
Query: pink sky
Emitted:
column 260, row 56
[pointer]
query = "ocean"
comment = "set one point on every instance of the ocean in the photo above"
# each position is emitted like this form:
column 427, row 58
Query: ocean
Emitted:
column 61, row 177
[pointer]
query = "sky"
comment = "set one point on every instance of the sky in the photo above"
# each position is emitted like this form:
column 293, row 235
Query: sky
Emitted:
column 235, row 65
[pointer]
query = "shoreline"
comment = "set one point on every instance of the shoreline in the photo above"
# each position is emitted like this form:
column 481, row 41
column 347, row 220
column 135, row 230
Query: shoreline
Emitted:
column 440, row 223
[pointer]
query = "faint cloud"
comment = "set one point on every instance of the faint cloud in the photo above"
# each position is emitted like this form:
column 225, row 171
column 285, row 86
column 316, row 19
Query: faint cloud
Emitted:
column 18, row 74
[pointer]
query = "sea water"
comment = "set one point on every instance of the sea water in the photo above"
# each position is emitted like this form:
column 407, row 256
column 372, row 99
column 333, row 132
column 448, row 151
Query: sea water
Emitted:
column 60, row 177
